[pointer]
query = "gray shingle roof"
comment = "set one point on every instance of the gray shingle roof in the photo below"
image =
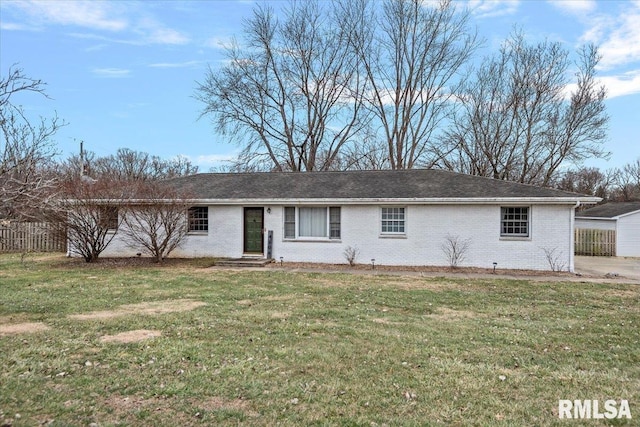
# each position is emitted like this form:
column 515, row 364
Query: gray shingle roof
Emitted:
column 381, row 184
column 610, row 210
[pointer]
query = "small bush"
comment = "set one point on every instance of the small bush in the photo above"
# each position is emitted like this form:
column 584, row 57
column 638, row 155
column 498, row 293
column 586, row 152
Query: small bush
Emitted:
column 351, row 254
column 554, row 259
column 455, row 249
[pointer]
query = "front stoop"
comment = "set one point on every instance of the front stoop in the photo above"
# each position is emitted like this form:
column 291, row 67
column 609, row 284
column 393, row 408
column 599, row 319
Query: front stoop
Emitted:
column 243, row 262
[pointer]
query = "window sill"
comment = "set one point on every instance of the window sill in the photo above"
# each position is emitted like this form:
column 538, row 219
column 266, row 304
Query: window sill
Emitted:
column 515, row 238
column 312, row 240
column 198, row 233
column 392, row 236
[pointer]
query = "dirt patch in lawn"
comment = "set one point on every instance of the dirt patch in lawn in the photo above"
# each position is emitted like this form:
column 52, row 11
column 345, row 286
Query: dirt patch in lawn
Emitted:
column 623, row 293
column 23, row 328
column 383, row 321
column 131, row 336
column 445, row 313
column 218, row 403
column 124, row 406
column 146, row 308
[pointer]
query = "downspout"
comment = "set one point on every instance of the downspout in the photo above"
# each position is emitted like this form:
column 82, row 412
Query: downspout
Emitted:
column 572, row 250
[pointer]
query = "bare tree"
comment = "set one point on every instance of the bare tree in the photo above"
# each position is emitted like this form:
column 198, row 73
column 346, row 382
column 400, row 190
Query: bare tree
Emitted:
column 628, row 182
column 587, row 180
column 26, row 147
column 412, row 53
column 90, row 212
column 126, row 165
column 291, row 96
column 129, row 165
column 156, row 221
column 516, row 121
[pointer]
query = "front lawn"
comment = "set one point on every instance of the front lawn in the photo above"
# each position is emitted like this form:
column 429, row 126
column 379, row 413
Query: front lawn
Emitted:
column 181, row 344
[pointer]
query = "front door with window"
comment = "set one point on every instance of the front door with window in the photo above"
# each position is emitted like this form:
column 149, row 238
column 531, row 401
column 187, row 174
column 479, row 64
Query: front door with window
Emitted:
column 253, row 226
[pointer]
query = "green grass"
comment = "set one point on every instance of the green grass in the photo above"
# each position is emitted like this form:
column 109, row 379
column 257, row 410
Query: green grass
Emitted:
column 271, row 347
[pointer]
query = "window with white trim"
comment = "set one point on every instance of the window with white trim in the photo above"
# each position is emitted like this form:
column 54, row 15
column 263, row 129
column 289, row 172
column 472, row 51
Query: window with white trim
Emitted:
column 514, row 221
column 289, row 222
column 393, row 220
column 311, row 222
column 198, row 219
column 108, row 217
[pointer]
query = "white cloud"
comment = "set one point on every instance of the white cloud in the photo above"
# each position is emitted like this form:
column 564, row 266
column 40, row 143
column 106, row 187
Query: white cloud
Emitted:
column 11, row 26
column 134, row 24
column 96, row 47
column 575, row 7
column 615, row 29
column 493, row 8
column 162, row 35
column 621, row 85
column 113, row 73
column 156, row 33
column 220, row 42
column 186, row 64
column 213, row 159
column 90, row 14
column 622, row 44
column 617, row 85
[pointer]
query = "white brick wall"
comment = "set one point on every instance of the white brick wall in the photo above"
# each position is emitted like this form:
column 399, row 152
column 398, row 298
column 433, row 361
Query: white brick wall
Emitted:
column 426, row 230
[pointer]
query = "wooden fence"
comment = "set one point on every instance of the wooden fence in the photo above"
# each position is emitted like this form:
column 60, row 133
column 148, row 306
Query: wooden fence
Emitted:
column 32, row 237
column 592, row 242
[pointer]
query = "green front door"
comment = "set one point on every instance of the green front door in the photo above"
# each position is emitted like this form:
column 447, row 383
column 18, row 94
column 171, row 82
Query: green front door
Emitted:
column 253, row 237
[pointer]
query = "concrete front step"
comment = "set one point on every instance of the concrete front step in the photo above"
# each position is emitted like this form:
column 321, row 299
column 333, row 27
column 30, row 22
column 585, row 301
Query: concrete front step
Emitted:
column 243, row 262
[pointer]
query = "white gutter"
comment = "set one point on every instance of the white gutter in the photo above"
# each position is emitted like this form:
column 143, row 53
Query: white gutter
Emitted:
column 572, row 239
column 597, row 218
column 365, row 201
column 396, row 201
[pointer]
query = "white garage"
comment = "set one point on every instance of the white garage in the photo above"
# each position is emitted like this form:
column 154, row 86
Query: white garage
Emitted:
column 623, row 218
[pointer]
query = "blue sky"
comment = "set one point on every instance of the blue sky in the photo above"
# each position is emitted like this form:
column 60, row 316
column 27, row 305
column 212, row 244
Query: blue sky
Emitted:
column 123, row 73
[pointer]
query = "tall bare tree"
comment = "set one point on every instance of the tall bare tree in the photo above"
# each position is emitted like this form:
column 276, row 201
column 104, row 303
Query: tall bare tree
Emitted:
column 518, row 123
column 413, row 53
column 292, row 95
column 26, row 148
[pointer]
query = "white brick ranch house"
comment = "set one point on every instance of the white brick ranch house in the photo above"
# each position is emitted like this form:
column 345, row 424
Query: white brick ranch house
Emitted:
column 395, row 217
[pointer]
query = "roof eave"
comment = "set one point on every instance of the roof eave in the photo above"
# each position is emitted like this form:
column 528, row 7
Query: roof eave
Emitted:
column 596, row 218
column 627, row 214
column 404, row 201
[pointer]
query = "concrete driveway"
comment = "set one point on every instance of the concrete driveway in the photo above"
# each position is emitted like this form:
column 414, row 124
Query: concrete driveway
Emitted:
column 608, row 266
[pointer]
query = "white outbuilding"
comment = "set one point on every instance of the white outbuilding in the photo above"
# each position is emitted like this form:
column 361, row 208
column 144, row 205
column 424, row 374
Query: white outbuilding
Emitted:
column 621, row 218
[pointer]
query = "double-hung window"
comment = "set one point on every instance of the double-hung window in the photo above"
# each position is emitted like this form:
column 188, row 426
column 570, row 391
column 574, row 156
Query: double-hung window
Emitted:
column 514, row 221
column 108, row 217
column 199, row 219
column 393, row 221
column 312, row 222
